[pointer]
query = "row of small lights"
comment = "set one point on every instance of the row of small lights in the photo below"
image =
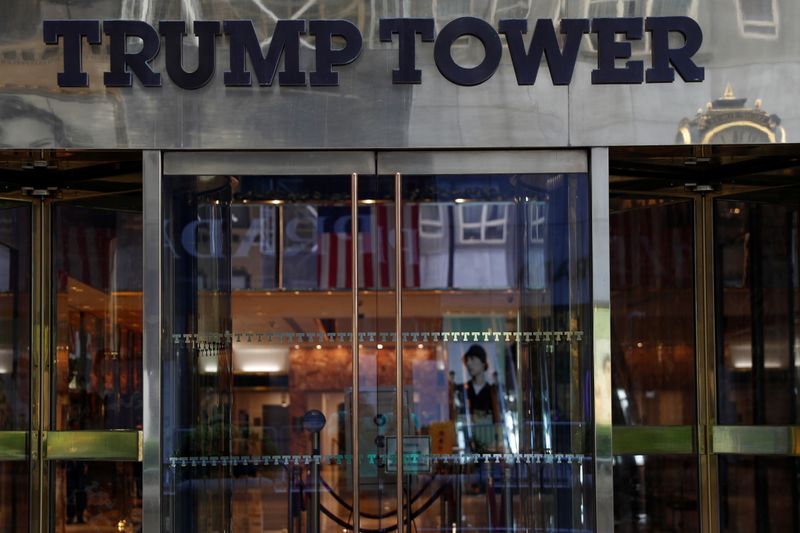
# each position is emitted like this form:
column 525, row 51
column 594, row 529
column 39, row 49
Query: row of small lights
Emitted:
column 365, row 202
column 379, row 346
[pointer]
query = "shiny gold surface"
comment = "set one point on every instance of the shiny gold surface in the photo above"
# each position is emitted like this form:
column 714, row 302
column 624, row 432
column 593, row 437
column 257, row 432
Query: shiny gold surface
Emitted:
column 705, row 362
column 13, row 445
column 756, row 440
column 94, row 445
column 643, row 440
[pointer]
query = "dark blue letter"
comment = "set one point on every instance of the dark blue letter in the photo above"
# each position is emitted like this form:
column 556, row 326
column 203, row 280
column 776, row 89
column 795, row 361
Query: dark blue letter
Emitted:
column 544, row 41
column 173, row 32
column 609, row 50
column 491, row 45
column 286, row 39
column 326, row 56
column 407, row 29
column 73, row 31
column 663, row 55
column 119, row 30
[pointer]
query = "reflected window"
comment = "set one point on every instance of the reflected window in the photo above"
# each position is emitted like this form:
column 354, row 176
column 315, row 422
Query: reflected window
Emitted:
column 482, row 223
column 758, row 18
column 640, row 8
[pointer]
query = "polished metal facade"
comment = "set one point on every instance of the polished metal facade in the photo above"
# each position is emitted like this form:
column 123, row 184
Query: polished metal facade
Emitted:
column 754, row 51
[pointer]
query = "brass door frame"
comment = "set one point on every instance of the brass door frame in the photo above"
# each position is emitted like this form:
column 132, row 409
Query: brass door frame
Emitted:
column 705, row 439
column 39, row 444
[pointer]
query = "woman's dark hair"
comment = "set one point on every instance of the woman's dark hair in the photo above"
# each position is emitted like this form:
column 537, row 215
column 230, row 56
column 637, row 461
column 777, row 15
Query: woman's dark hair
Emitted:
column 476, row 351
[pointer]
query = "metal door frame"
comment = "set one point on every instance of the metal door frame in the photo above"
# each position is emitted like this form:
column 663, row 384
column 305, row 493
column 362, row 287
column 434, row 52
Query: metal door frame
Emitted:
column 158, row 166
column 39, row 444
column 705, row 439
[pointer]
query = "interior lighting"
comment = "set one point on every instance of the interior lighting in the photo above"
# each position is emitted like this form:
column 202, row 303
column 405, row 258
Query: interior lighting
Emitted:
column 380, row 346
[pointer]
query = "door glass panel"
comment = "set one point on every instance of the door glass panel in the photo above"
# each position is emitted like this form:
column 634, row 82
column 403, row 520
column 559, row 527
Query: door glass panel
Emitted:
column 15, row 316
column 14, row 495
column 652, row 309
column 15, row 354
column 758, row 494
column 97, row 281
column 97, row 497
column 377, row 352
column 656, row 493
column 496, row 352
column 756, row 254
column 258, row 321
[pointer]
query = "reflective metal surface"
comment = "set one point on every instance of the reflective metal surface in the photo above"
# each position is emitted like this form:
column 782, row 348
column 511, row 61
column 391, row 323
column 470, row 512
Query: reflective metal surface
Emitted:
column 482, row 162
column 759, row 440
column 653, row 440
column 601, row 335
column 13, row 445
column 151, row 416
column 272, row 163
column 94, row 445
column 752, row 46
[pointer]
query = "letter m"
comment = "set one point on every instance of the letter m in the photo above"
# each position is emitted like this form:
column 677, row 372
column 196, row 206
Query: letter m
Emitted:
column 285, row 41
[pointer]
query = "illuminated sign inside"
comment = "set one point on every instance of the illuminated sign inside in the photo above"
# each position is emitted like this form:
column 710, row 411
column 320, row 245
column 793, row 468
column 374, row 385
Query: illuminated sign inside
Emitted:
column 613, row 37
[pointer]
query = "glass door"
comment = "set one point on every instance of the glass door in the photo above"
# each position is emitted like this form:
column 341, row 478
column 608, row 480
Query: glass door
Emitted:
column 71, row 359
column 704, row 350
column 376, row 341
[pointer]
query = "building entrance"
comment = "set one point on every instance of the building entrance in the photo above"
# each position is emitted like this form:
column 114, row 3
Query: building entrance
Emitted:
column 71, row 342
column 379, row 341
column 704, row 280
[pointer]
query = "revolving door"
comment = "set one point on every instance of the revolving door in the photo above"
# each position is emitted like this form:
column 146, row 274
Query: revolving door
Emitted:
column 373, row 341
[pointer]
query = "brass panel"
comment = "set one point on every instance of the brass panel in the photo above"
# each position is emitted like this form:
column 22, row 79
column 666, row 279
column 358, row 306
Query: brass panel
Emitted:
column 705, row 359
column 643, row 440
column 756, row 440
column 13, row 445
column 94, row 445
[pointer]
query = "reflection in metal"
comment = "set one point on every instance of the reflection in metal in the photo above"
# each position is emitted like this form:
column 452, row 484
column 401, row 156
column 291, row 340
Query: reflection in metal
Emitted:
column 757, row 440
column 653, row 440
column 93, row 445
column 728, row 121
column 152, row 342
column 601, row 337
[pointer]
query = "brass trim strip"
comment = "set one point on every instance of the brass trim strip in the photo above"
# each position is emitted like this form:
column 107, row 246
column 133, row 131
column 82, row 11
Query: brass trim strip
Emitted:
column 705, row 359
column 13, row 445
column 756, row 440
column 93, row 445
column 354, row 426
column 644, row 440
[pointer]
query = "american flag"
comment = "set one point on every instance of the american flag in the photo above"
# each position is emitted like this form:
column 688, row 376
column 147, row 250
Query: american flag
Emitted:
column 376, row 243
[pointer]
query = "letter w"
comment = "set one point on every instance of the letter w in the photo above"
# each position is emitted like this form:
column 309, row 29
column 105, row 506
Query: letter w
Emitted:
column 286, row 39
column 544, row 41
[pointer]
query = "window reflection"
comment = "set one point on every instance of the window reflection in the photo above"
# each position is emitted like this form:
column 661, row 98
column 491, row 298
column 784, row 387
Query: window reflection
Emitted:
column 656, row 494
column 652, row 309
column 97, row 254
column 15, row 300
column 258, row 279
column 757, row 289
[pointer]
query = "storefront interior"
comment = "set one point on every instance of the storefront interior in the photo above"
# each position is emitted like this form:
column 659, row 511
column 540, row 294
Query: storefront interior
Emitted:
column 492, row 297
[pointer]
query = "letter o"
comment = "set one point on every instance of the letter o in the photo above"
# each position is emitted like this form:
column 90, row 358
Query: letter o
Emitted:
column 482, row 31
